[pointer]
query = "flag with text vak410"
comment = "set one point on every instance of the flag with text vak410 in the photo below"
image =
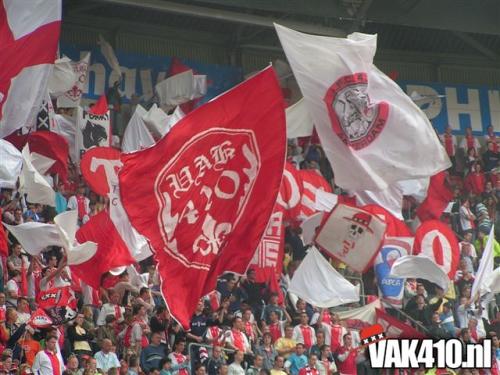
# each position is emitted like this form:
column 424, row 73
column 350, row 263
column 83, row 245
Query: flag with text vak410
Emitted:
column 371, row 131
column 207, row 190
column 352, row 235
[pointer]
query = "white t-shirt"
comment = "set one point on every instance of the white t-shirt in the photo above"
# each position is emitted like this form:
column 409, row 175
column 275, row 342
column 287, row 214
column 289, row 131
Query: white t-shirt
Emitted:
column 43, row 366
column 464, row 221
column 12, row 286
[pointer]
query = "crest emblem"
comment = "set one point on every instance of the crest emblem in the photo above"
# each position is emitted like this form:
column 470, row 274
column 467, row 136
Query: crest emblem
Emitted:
column 355, row 119
column 202, row 193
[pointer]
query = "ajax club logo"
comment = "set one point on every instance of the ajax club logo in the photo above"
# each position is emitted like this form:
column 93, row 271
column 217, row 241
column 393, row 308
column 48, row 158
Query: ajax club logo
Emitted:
column 390, row 353
column 355, row 118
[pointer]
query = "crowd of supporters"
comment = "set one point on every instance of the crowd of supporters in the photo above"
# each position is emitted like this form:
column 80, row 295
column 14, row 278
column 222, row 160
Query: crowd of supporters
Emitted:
column 244, row 327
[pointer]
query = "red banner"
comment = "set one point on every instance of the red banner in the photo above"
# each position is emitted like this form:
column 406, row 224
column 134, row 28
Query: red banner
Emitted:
column 395, row 328
column 203, row 194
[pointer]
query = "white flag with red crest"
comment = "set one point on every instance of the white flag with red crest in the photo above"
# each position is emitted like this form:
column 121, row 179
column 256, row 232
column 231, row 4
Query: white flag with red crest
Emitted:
column 371, row 131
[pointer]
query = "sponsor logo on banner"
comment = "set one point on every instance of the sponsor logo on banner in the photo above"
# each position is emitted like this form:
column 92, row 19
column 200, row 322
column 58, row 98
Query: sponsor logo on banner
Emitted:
column 388, row 353
column 223, row 174
column 355, row 118
column 391, row 288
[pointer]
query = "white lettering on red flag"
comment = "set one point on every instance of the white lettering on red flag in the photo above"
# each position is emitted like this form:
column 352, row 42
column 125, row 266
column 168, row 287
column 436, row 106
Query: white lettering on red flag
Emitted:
column 203, row 195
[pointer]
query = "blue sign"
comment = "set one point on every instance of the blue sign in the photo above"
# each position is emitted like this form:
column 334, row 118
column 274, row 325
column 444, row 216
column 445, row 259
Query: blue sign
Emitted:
column 141, row 73
column 391, row 288
column 459, row 106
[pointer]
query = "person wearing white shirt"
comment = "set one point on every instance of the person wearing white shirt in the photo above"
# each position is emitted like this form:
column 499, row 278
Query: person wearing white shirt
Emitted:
column 111, row 308
column 48, row 361
column 236, row 368
column 105, row 358
column 304, row 333
column 12, row 288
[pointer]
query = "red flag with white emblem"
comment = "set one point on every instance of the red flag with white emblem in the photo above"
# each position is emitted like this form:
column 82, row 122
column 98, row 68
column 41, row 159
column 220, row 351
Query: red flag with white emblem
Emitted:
column 436, row 240
column 29, row 36
column 208, row 188
column 291, row 190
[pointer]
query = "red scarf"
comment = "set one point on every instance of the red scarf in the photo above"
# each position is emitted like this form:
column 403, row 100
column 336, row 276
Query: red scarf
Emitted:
column 238, row 341
column 214, row 301
column 336, row 336
column 275, row 331
column 448, row 144
column 215, row 332
column 118, row 312
column 493, row 138
column 470, row 141
column 82, row 208
column 306, row 334
column 181, row 358
column 54, row 362
column 473, row 334
column 249, row 329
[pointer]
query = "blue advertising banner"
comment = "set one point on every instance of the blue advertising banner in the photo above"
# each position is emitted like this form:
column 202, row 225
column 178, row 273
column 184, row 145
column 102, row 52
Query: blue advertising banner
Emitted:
column 460, row 107
column 142, row 73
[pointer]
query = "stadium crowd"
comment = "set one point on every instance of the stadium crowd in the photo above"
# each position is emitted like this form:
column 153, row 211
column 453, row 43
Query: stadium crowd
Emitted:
column 244, row 327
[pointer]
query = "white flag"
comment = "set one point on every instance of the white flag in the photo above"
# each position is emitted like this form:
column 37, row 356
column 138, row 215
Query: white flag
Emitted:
column 422, row 267
column 298, row 121
column 109, row 55
column 34, row 184
column 66, row 127
column 72, row 74
column 317, row 282
column 181, row 88
column 485, row 269
column 137, row 136
column 36, row 237
column 371, row 131
column 391, row 199
column 10, row 165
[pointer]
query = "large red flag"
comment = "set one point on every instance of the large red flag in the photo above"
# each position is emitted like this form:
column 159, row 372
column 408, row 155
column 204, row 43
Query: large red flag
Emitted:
column 111, row 253
column 438, row 197
column 436, row 240
column 203, row 194
column 29, row 36
column 51, row 146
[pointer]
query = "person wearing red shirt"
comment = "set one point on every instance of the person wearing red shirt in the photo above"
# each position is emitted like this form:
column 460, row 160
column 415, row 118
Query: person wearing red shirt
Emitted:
column 347, row 357
column 491, row 137
column 475, row 181
column 311, row 368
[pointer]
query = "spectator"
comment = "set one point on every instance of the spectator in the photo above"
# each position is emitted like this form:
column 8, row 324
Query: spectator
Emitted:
column 153, row 353
column 107, row 331
column 285, row 346
column 105, row 358
column 165, row 366
column 236, row 368
column 297, row 360
column 279, row 366
column 111, row 308
column 304, row 333
column 326, row 364
column 236, row 339
column 215, row 361
column 49, row 361
column 333, row 332
column 273, row 306
column 258, row 365
column 79, row 337
column 198, row 324
column 267, row 351
column 180, row 362
column 72, row 366
column 311, row 367
column 347, row 356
